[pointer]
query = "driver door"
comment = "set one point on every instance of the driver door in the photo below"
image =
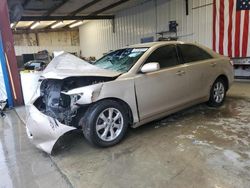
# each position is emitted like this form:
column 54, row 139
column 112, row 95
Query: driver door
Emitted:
column 162, row 90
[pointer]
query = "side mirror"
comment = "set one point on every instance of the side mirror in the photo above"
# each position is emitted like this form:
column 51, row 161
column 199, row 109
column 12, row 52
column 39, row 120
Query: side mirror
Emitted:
column 150, row 67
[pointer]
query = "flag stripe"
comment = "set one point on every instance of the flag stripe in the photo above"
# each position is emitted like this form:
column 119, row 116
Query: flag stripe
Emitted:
column 237, row 34
column 226, row 24
column 245, row 34
column 221, row 38
column 214, row 25
column 230, row 26
column 241, row 30
column 217, row 27
column 233, row 30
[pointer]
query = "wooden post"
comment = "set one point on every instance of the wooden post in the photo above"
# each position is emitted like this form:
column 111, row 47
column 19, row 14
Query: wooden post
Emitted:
column 8, row 45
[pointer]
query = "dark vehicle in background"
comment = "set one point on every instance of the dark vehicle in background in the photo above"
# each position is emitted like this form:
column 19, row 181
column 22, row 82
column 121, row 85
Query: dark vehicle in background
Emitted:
column 37, row 65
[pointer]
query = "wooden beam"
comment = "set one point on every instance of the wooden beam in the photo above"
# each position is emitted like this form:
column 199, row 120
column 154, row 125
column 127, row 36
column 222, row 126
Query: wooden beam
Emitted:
column 109, row 7
column 77, row 11
column 84, row 7
column 53, row 18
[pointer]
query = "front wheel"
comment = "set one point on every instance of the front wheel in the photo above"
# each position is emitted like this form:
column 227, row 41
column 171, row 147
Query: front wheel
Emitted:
column 217, row 93
column 105, row 123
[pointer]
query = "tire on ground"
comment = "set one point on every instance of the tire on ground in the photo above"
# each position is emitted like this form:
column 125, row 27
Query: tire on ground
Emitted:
column 89, row 120
column 212, row 99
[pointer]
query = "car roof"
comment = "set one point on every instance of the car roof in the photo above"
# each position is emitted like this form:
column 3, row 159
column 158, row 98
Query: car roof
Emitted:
column 150, row 44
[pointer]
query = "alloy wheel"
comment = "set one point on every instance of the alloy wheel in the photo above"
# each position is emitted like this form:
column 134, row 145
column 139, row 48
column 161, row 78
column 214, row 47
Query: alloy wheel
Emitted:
column 109, row 124
column 219, row 92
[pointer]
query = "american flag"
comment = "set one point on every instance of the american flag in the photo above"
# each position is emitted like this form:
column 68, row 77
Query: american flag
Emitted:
column 231, row 27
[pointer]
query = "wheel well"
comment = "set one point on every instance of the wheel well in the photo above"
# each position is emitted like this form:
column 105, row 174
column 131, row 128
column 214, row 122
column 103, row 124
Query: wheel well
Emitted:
column 81, row 111
column 225, row 79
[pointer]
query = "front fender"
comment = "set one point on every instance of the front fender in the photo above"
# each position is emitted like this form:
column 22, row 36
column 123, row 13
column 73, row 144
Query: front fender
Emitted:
column 123, row 89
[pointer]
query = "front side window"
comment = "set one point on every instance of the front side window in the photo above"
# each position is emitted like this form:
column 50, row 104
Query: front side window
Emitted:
column 191, row 53
column 166, row 56
column 120, row 60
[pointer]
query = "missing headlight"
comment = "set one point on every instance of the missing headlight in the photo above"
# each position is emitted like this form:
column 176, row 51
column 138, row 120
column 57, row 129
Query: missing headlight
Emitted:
column 54, row 103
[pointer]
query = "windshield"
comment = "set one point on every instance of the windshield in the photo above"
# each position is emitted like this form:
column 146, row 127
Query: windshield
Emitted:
column 120, row 60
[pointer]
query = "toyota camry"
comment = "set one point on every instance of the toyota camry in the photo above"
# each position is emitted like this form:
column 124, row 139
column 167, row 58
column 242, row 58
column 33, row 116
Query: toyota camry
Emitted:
column 130, row 86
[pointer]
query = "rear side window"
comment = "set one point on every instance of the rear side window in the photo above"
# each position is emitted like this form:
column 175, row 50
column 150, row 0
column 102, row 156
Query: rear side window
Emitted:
column 166, row 56
column 191, row 53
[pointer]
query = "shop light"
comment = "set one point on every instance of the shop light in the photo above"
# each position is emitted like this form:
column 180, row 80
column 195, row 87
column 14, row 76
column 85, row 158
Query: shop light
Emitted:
column 76, row 24
column 56, row 25
column 11, row 25
column 35, row 25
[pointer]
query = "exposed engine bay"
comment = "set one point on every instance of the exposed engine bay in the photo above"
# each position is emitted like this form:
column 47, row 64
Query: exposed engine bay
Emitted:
column 54, row 101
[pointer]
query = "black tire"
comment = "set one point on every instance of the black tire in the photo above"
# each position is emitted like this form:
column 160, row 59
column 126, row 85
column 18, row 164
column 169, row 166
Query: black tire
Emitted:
column 90, row 118
column 214, row 101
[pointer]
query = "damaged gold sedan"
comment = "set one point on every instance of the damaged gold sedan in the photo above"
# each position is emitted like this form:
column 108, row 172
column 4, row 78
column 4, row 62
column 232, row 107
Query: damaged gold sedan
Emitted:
column 127, row 87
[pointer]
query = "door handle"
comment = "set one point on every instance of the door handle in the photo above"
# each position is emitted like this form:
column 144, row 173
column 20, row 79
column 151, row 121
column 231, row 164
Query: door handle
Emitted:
column 180, row 72
column 213, row 64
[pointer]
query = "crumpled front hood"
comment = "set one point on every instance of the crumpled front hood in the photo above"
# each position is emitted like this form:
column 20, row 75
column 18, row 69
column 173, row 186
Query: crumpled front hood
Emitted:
column 67, row 65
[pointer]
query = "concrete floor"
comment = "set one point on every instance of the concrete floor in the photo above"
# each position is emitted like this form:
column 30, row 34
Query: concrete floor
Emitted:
column 198, row 147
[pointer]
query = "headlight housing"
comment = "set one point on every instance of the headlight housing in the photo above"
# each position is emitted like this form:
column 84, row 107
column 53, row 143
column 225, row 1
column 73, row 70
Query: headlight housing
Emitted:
column 75, row 97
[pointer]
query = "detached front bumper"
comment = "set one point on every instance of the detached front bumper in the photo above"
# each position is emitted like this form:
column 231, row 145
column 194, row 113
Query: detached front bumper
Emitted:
column 42, row 130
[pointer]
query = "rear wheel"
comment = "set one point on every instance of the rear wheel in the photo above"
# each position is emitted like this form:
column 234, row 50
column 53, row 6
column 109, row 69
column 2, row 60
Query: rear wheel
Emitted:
column 105, row 123
column 217, row 93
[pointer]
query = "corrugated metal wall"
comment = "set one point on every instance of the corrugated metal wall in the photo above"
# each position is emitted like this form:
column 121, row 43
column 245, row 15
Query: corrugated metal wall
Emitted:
column 145, row 20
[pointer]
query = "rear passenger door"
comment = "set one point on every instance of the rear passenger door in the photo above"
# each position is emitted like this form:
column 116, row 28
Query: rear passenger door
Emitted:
column 199, row 69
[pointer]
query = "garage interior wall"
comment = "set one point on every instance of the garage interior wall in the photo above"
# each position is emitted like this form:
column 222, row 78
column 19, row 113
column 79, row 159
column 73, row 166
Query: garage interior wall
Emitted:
column 28, row 43
column 145, row 20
